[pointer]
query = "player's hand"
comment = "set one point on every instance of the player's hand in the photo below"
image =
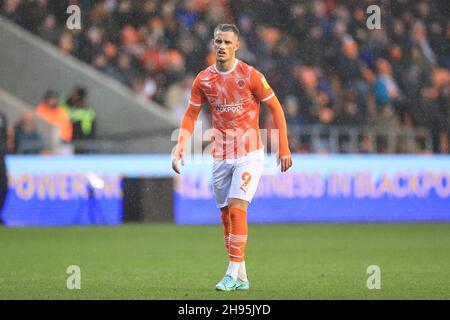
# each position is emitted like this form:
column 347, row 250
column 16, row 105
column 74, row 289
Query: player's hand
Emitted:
column 177, row 156
column 286, row 162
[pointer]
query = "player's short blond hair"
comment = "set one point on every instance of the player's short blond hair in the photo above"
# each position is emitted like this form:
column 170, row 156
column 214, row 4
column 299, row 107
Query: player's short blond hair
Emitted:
column 227, row 27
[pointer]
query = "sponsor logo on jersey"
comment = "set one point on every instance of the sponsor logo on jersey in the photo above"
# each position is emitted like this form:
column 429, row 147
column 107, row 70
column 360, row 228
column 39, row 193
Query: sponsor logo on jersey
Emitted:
column 235, row 108
column 265, row 83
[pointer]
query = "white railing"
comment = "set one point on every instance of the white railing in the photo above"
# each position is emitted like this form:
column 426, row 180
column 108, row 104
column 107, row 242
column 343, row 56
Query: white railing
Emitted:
column 363, row 139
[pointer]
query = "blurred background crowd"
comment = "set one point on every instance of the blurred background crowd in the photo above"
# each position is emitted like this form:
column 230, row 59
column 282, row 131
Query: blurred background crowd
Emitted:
column 327, row 68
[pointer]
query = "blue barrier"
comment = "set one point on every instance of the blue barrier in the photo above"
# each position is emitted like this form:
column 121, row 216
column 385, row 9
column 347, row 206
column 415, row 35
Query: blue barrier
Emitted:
column 318, row 188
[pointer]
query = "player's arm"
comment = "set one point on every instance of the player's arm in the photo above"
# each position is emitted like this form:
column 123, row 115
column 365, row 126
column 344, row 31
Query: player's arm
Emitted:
column 279, row 120
column 264, row 93
column 186, row 129
column 188, row 124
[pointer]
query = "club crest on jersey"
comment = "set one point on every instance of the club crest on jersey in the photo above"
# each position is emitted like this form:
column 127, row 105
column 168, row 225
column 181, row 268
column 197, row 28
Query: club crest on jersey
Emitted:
column 241, row 84
column 265, row 83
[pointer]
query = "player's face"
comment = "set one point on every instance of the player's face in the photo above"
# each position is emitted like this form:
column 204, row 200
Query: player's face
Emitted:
column 225, row 45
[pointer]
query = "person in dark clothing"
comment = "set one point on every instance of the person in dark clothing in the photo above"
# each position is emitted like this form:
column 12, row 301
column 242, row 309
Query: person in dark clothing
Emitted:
column 27, row 139
column 3, row 151
column 82, row 117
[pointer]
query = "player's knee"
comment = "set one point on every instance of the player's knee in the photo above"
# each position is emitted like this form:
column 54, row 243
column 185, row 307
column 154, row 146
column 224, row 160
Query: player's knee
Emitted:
column 238, row 203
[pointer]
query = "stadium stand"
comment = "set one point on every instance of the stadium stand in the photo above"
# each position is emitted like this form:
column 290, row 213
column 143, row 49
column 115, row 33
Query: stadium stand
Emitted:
column 126, row 124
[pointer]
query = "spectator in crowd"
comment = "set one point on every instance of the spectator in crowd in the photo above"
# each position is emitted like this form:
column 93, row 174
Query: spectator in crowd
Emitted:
column 386, row 88
column 66, row 43
column 49, row 30
column 27, row 140
column 419, row 38
column 125, row 71
column 83, row 118
column 349, row 115
column 444, row 110
column 353, row 72
column 50, row 111
column 432, row 109
column 11, row 9
column 291, row 105
column 388, row 96
column 91, row 42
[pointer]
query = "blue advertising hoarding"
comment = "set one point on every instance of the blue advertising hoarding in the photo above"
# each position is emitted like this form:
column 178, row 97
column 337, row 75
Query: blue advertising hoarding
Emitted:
column 68, row 190
column 335, row 189
column 318, row 188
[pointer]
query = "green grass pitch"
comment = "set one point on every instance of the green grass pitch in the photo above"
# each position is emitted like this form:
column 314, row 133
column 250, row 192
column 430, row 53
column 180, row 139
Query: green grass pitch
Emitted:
column 284, row 261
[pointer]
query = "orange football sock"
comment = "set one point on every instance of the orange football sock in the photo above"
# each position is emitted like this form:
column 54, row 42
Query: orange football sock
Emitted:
column 226, row 225
column 238, row 234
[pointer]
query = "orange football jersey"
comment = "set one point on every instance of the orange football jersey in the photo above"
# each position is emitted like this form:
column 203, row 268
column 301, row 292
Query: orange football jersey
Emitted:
column 234, row 100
